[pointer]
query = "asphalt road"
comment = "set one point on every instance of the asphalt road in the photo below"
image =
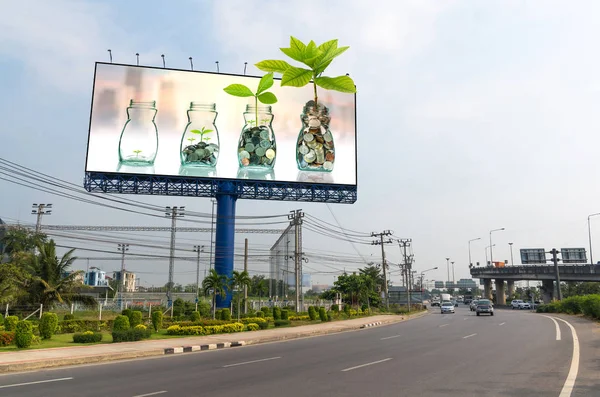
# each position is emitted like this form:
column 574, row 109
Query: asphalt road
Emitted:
column 513, row 353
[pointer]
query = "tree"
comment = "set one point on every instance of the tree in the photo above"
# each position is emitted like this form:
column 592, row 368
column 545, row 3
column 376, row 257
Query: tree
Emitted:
column 20, row 243
column 52, row 279
column 261, row 288
column 215, row 283
column 238, row 281
column 14, row 283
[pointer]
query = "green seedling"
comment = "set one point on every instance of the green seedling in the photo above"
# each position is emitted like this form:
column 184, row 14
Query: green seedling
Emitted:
column 202, row 132
column 317, row 58
column 268, row 98
column 265, row 121
column 192, row 139
column 251, row 122
column 137, row 152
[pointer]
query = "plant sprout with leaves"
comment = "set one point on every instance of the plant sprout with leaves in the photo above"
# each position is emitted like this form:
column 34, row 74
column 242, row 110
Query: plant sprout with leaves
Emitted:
column 202, row 132
column 137, row 152
column 268, row 98
column 317, row 58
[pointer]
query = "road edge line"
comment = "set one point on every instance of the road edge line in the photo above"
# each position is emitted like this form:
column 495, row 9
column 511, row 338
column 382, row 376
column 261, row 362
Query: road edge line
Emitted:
column 569, row 384
column 558, row 334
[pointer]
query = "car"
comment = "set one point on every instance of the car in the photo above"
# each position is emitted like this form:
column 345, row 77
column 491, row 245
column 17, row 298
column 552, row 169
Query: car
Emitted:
column 524, row 305
column 485, row 307
column 515, row 303
column 447, row 307
column 455, row 303
column 435, row 302
column 473, row 305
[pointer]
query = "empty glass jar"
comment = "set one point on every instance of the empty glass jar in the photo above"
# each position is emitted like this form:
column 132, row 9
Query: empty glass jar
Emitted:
column 138, row 143
column 257, row 147
column 200, row 139
column 315, row 150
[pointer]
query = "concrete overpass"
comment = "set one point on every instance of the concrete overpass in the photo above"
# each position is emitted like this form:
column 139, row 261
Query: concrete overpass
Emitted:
column 543, row 273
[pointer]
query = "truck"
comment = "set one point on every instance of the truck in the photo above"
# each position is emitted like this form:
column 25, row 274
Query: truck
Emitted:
column 445, row 297
column 468, row 298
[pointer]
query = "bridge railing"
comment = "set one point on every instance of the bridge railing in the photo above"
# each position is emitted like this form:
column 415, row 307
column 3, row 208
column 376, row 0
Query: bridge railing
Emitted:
column 543, row 269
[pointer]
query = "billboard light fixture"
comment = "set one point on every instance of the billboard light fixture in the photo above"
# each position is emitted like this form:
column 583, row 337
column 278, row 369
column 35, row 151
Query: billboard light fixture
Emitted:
column 137, row 55
column 191, row 64
column 110, row 55
column 163, row 59
column 217, row 62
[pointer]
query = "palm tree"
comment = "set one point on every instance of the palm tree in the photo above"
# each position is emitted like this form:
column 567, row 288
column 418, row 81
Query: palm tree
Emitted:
column 261, row 288
column 238, row 281
column 216, row 283
column 53, row 280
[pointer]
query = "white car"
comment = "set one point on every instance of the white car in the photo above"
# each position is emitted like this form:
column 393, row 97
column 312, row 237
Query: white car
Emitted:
column 524, row 305
column 447, row 307
column 516, row 304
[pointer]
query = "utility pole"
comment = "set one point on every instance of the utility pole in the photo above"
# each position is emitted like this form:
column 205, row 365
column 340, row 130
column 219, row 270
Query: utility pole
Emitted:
column 40, row 210
column 512, row 262
column 246, row 270
column 173, row 213
column 212, row 228
column 198, row 249
column 554, row 253
column 383, row 261
column 295, row 218
column 404, row 243
column 448, row 268
column 122, row 248
column 453, row 278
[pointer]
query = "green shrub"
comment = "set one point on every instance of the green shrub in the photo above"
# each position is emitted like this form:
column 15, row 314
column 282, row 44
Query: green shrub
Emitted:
column 195, row 316
column 285, row 314
column 23, row 334
column 136, row 318
column 312, row 313
column 121, row 323
column 322, row 314
column 591, row 306
column 282, row 323
column 7, row 338
column 572, row 304
column 10, row 323
column 131, row 335
column 208, row 330
column 141, row 326
column 266, row 311
column 126, row 312
column 157, row 320
column 87, row 337
column 263, row 324
column 254, row 320
column 260, row 314
column 48, row 325
column 252, row 327
column 347, row 308
column 329, row 317
column 276, row 313
column 218, row 314
column 225, row 314
column 1, row 320
column 67, row 317
column 71, row 326
column 204, row 309
column 335, row 308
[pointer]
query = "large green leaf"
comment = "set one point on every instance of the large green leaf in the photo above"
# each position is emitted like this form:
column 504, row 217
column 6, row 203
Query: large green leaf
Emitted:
column 297, row 44
column 293, row 53
column 328, row 57
column 340, row 83
column 311, row 53
column 265, row 83
column 267, row 98
column 296, row 77
column 328, row 45
column 238, row 90
column 272, row 65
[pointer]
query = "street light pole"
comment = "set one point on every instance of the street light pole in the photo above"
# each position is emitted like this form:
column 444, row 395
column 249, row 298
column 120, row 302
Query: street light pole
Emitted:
column 590, row 236
column 512, row 262
column 422, row 274
column 475, row 239
column 453, row 278
column 448, row 268
column 198, row 249
column 492, row 245
column 486, row 255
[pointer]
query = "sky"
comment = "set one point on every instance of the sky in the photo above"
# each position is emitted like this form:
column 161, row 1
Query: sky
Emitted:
column 472, row 116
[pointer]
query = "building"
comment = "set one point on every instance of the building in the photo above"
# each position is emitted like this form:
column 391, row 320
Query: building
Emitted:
column 95, row 278
column 128, row 281
column 318, row 288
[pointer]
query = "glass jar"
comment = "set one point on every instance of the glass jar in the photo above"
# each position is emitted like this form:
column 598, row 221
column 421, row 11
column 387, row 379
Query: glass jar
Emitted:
column 257, row 147
column 138, row 143
column 315, row 150
column 200, row 139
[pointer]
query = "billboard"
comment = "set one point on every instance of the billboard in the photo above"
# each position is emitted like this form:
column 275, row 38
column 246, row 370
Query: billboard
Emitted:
column 573, row 255
column 533, row 256
column 168, row 122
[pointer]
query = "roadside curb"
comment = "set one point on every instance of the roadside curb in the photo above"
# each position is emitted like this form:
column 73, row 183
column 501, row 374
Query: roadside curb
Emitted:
column 371, row 324
column 196, row 348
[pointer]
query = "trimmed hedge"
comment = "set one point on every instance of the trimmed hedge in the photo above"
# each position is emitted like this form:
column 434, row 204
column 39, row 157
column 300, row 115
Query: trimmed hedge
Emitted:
column 7, row 338
column 10, row 323
column 312, row 313
column 252, row 327
column 263, row 324
column 299, row 318
column 225, row 314
column 68, row 317
column 121, row 323
column 285, row 314
column 254, row 320
column 71, row 326
column 322, row 314
column 266, row 311
column 131, row 335
column 276, row 313
column 48, row 325
column 195, row 316
column 87, row 337
column 23, row 334
column 136, row 318
column 282, row 323
column 157, row 320
column 208, row 330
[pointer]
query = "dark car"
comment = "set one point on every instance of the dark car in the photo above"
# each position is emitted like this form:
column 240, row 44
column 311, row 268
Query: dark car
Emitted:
column 485, row 307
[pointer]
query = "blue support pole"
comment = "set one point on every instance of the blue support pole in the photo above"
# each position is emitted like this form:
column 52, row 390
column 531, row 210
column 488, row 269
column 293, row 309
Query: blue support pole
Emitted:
column 224, row 239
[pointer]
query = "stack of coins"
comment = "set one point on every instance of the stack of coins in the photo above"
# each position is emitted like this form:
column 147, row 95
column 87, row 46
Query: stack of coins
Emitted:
column 315, row 149
column 257, row 147
column 201, row 153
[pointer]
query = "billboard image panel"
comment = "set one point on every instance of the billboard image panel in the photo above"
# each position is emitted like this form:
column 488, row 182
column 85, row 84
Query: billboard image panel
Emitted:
column 166, row 122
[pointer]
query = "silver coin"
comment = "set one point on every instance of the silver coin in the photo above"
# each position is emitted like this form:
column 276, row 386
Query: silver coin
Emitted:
column 310, row 156
column 244, row 154
column 303, row 149
column 309, row 137
column 328, row 165
column 249, row 147
column 327, row 136
column 260, row 151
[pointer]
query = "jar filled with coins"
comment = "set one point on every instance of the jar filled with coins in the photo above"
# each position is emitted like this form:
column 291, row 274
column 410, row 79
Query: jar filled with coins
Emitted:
column 257, row 147
column 315, row 150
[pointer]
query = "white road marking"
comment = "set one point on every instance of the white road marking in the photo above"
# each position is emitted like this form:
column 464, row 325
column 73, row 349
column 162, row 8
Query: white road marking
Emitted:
column 151, row 394
column 466, row 318
column 501, row 323
column 367, row 364
column 443, row 325
column 468, row 336
column 35, row 383
column 390, row 337
column 251, row 362
column 557, row 327
column 572, row 376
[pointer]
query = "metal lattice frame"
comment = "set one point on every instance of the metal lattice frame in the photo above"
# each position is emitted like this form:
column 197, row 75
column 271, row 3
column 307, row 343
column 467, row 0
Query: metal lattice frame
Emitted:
column 208, row 187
